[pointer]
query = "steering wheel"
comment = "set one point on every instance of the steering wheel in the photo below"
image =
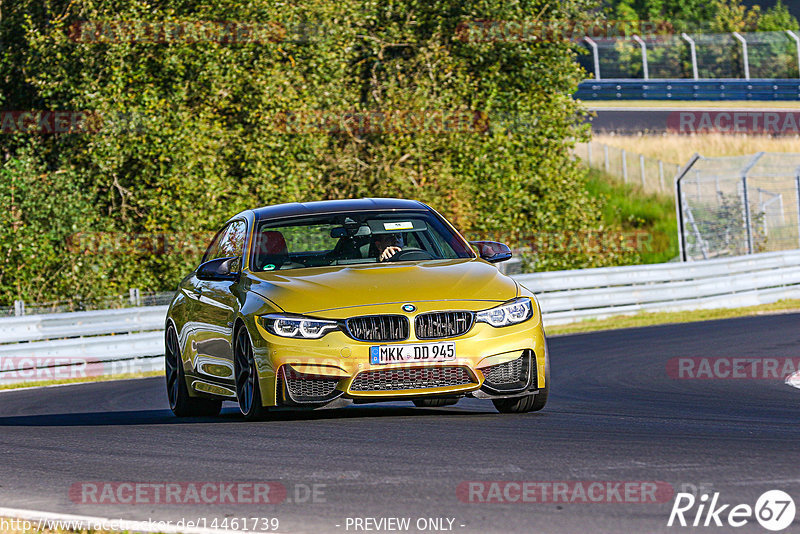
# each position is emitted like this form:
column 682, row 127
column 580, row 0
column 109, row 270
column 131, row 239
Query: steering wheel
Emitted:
column 410, row 254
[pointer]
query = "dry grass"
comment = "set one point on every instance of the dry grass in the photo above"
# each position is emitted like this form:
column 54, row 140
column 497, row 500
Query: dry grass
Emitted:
column 679, row 148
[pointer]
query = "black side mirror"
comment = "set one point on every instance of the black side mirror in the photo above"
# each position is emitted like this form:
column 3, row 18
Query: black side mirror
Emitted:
column 492, row 251
column 219, row 269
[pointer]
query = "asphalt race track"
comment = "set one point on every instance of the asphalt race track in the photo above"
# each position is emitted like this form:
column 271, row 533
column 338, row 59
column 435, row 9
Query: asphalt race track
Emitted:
column 656, row 120
column 614, row 415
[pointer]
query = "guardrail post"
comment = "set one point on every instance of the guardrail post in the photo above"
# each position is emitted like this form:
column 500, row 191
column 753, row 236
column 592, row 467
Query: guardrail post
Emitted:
column 745, row 57
column 693, row 52
column 641, row 168
column 624, row 166
column 19, row 308
column 644, row 55
column 660, row 175
column 606, row 163
column 797, row 43
column 136, row 299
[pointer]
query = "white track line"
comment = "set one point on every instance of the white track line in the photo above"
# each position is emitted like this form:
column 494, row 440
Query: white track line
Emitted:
column 43, row 520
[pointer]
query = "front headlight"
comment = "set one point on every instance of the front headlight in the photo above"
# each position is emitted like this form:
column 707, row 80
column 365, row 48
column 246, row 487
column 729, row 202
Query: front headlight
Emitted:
column 298, row 326
column 513, row 312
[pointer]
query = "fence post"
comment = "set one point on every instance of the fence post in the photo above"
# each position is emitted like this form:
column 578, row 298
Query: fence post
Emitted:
column 796, row 42
column 596, row 56
column 747, row 217
column 624, row 166
column 644, row 55
column 606, row 163
column 660, row 175
column 747, row 220
column 797, row 187
column 693, row 51
column 136, row 299
column 589, row 153
column 745, row 57
column 641, row 168
column 19, row 308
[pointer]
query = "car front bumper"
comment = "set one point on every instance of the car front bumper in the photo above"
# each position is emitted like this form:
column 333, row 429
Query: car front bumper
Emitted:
column 316, row 372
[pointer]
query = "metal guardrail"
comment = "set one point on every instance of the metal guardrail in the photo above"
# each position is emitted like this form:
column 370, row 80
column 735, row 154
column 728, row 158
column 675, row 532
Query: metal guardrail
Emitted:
column 570, row 296
column 107, row 342
column 79, row 344
column 627, row 89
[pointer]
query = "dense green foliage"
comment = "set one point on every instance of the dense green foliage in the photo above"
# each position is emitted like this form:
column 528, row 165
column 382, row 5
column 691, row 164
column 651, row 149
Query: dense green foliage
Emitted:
column 186, row 133
column 712, row 16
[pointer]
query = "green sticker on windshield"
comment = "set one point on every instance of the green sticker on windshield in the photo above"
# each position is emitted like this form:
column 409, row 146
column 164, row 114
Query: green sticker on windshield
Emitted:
column 269, row 267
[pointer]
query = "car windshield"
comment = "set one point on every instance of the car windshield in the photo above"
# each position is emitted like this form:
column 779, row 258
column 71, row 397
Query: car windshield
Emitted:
column 353, row 238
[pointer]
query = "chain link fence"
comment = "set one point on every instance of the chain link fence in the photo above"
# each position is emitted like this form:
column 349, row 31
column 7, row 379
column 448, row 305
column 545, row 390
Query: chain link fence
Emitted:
column 651, row 174
column 757, row 55
column 738, row 205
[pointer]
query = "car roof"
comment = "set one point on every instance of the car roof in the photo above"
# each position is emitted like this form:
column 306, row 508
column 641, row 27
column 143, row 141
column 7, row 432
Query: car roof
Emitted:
column 293, row 209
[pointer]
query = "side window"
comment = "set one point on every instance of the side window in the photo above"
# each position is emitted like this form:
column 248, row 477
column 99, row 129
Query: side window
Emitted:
column 213, row 249
column 233, row 242
column 229, row 242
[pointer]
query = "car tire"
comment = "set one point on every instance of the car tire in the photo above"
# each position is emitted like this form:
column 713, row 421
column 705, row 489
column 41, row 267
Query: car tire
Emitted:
column 181, row 404
column 248, row 391
column 527, row 403
column 434, row 403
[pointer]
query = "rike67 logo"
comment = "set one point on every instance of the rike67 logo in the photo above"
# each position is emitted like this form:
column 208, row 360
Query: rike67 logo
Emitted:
column 774, row 510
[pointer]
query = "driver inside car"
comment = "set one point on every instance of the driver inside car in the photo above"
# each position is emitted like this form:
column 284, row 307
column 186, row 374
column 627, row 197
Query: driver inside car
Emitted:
column 387, row 245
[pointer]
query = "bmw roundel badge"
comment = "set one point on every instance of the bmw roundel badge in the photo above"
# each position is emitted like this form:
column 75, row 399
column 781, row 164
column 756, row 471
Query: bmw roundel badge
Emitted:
column 409, row 308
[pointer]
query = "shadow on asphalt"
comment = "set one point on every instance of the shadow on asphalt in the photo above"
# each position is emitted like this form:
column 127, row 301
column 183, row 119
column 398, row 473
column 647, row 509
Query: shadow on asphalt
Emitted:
column 229, row 415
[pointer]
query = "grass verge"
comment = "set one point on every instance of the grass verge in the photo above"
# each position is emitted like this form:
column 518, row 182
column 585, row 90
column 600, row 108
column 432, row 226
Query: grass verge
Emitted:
column 625, row 206
column 659, row 318
column 40, row 383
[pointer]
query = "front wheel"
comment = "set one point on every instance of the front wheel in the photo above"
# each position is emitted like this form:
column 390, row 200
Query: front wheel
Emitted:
column 248, row 392
column 181, row 404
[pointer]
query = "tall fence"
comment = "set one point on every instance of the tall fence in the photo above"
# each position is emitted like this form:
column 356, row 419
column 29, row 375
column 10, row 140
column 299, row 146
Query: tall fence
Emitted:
column 694, row 56
column 651, row 174
column 738, row 205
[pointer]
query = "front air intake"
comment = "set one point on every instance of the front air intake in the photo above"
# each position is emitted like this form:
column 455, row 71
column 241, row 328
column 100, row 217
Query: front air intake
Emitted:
column 415, row 378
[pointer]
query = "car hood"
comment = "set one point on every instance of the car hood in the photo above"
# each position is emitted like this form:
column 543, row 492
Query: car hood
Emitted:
column 319, row 289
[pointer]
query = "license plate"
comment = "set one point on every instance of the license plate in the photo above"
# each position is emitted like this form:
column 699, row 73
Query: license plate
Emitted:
column 444, row 351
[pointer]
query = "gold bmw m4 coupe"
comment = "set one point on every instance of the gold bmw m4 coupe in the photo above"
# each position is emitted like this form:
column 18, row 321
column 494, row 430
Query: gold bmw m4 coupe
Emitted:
column 351, row 301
